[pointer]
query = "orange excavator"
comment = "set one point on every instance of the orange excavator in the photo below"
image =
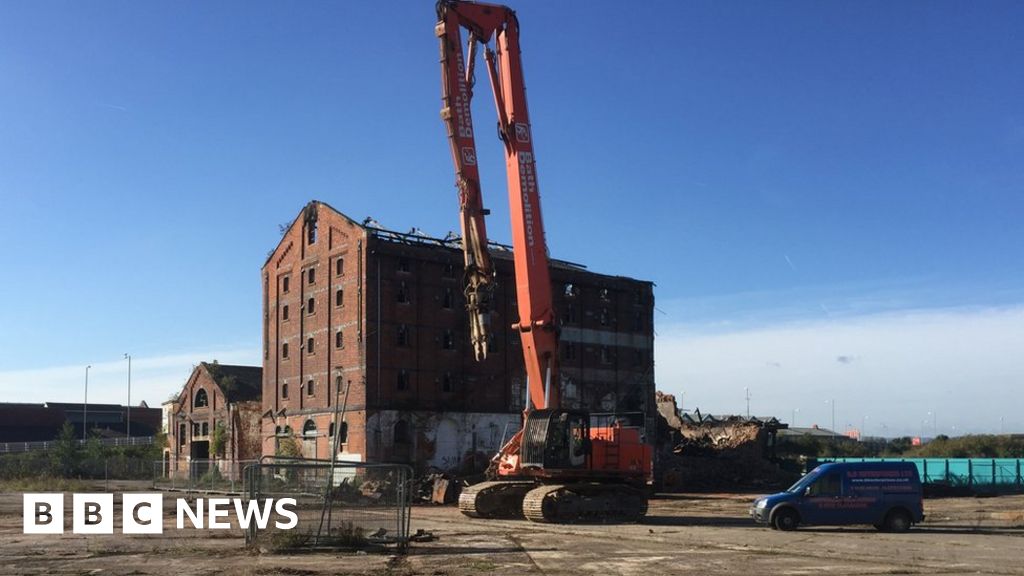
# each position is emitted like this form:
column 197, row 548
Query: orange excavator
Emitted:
column 560, row 467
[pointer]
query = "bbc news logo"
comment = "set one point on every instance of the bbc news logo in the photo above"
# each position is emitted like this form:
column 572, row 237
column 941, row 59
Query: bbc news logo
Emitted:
column 142, row 513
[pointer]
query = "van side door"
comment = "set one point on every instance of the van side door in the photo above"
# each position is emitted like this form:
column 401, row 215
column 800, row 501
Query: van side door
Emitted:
column 821, row 500
column 862, row 498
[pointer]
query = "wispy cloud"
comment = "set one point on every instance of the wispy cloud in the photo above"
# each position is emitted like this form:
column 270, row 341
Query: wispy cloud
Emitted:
column 769, row 307
column 790, row 262
column 963, row 364
column 154, row 378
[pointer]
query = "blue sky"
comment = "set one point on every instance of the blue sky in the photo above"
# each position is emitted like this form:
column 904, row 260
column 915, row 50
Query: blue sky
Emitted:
column 804, row 181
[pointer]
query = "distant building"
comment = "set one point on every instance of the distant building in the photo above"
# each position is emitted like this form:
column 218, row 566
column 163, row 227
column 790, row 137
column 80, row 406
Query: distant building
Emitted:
column 216, row 417
column 365, row 344
column 22, row 422
column 813, row 431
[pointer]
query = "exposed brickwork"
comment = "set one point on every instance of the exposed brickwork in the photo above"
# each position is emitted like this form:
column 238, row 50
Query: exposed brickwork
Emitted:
column 304, row 312
column 213, row 395
column 405, row 344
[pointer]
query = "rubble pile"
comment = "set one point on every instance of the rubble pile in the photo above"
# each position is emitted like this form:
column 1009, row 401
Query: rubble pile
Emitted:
column 436, row 488
column 737, row 440
column 697, row 454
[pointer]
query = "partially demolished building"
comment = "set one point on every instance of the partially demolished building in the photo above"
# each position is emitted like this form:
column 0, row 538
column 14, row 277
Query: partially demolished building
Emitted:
column 366, row 346
column 714, row 452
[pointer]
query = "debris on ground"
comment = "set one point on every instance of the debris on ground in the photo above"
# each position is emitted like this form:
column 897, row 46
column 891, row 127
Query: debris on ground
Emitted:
column 437, row 488
column 422, row 535
column 713, row 453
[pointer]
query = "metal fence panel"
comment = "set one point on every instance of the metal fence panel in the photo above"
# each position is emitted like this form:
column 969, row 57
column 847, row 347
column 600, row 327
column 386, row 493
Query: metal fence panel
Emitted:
column 201, row 475
column 341, row 505
column 15, row 447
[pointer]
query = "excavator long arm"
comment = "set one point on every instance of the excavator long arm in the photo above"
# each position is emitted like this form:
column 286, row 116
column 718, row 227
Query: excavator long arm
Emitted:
column 493, row 24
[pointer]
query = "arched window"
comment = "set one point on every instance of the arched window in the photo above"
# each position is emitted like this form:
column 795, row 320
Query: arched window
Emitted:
column 202, row 400
column 402, row 433
column 309, row 428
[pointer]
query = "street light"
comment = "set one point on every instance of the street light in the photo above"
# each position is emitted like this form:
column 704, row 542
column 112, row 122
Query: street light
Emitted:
column 85, row 406
column 128, row 418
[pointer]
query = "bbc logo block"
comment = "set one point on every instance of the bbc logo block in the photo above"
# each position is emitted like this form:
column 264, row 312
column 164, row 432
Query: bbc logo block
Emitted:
column 43, row 513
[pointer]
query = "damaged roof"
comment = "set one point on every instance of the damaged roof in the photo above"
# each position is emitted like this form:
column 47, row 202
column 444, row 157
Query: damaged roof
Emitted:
column 417, row 236
column 239, row 383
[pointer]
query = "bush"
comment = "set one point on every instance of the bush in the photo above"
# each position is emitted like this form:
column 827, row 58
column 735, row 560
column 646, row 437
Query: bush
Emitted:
column 212, row 477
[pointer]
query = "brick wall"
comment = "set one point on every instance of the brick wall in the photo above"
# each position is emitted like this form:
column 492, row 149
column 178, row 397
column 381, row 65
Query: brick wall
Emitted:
column 313, row 330
column 406, row 348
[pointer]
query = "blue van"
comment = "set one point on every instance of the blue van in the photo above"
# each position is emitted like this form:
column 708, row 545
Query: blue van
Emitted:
column 886, row 495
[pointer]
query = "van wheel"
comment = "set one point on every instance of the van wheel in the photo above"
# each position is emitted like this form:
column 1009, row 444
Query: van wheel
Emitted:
column 786, row 519
column 897, row 521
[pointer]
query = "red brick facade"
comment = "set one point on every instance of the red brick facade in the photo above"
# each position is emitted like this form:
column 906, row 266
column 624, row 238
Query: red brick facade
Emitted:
column 415, row 393
column 216, row 396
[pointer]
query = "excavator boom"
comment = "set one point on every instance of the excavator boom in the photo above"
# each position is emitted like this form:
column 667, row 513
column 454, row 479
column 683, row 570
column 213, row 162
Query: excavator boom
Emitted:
column 556, row 468
column 497, row 30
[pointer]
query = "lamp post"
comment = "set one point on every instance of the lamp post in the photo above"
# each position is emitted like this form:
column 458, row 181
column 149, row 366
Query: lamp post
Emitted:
column 85, row 406
column 128, row 418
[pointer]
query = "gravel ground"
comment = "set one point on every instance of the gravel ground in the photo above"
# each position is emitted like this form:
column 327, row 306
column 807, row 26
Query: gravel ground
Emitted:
column 683, row 534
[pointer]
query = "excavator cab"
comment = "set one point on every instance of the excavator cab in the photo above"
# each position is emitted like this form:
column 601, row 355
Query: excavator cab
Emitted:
column 556, row 440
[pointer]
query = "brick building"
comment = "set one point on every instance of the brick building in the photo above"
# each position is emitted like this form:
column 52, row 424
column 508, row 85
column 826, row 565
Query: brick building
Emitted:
column 354, row 308
column 216, row 417
column 22, row 422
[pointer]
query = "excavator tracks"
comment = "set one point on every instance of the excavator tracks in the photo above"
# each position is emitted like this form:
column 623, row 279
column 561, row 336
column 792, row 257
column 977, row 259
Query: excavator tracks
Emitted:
column 600, row 503
column 495, row 499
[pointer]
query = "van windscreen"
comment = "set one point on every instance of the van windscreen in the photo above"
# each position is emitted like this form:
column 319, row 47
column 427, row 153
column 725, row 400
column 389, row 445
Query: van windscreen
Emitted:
column 804, row 482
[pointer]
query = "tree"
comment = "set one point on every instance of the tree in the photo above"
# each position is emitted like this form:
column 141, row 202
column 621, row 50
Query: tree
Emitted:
column 218, row 439
column 66, row 455
column 94, row 450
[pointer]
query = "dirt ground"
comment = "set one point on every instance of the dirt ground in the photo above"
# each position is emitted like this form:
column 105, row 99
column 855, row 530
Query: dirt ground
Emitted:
column 683, row 534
